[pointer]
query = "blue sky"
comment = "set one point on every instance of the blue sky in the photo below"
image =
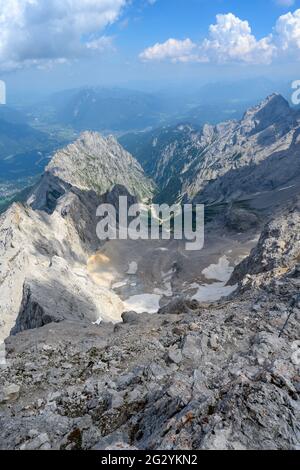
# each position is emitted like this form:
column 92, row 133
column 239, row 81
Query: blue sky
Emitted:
column 70, row 43
column 191, row 18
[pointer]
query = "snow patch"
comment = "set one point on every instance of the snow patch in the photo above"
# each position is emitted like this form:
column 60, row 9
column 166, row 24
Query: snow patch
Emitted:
column 220, row 272
column 212, row 292
column 143, row 303
column 133, row 268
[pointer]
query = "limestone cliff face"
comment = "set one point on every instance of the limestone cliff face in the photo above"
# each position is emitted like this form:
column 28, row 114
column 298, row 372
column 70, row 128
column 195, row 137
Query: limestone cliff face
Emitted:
column 43, row 269
column 259, row 153
column 91, row 163
column 45, row 245
column 277, row 252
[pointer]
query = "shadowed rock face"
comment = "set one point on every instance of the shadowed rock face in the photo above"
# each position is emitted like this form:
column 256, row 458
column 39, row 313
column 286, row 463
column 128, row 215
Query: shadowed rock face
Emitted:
column 40, row 305
column 241, row 220
column 278, row 250
column 47, row 193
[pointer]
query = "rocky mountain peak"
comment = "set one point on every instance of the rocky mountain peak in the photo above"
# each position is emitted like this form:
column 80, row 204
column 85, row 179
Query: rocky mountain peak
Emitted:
column 94, row 140
column 91, row 163
column 89, row 138
column 275, row 99
column 88, row 142
column 271, row 110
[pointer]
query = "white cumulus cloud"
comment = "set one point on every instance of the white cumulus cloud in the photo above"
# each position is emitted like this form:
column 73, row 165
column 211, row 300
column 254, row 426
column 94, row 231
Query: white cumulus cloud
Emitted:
column 230, row 40
column 173, row 49
column 286, row 35
column 47, row 31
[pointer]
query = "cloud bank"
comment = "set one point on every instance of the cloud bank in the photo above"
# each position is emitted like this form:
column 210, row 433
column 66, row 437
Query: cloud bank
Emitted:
column 42, row 32
column 230, row 40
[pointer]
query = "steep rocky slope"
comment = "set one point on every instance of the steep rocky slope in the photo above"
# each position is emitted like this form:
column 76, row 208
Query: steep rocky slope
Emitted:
column 195, row 377
column 43, row 273
column 45, row 246
column 222, row 375
column 277, row 252
column 226, row 162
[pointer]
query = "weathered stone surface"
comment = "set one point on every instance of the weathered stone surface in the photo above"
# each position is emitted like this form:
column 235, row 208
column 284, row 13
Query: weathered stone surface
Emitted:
column 276, row 253
column 179, row 305
column 9, row 393
column 91, row 163
column 175, row 355
column 227, row 381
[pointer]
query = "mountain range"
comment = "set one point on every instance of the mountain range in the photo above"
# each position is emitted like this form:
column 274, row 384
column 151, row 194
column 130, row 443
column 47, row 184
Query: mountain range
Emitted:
column 33, row 130
column 143, row 345
column 121, row 110
column 101, row 109
column 227, row 162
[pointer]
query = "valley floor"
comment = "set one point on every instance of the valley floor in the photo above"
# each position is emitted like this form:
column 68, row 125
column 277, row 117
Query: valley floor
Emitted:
column 146, row 274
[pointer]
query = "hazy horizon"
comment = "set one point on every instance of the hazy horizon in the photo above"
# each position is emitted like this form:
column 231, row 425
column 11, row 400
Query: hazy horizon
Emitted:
column 19, row 97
